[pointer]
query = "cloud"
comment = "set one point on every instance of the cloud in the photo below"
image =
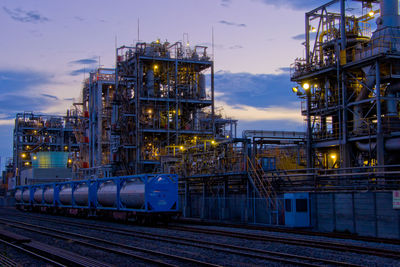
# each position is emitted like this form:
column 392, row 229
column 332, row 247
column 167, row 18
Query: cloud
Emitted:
column 229, row 23
column 302, row 36
column 271, row 113
column 222, row 47
column 17, row 92
column 79, row 18
column 235, row 47
column 295, row 4
column 226, row 3
column 69, row 99
column 283, row 69
column 7, row 119
column 79, row 71
column 50, row 96
column 19, row 81
column 259, row 101
column 257, row 90
column 85, row 61
column 21, row 15
column 12, row 104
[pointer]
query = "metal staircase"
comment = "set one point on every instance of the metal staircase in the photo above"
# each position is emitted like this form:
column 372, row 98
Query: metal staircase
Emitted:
column 259, row 180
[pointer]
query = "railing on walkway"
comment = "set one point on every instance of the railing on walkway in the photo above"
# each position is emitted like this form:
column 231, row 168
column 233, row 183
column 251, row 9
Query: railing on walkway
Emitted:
column 343, row 179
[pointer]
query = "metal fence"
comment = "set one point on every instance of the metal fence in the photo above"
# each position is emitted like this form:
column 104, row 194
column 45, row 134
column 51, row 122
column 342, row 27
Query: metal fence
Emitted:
column 234, row 209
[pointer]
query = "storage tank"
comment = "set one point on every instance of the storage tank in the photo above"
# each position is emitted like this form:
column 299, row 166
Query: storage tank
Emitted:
column 81, row 195
column 26, row 195
column 18, row 195
column 107, row 194
column 37, row 196
column 65, row 195
column 132, row 194
column 49, row 195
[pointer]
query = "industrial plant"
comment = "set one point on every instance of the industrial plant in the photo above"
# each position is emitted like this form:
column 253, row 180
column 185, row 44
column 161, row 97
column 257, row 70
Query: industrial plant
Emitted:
column 150, row 125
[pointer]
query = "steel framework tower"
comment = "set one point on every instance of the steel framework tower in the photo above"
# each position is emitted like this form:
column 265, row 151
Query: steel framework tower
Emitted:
column 350, row 84
column 160, row 101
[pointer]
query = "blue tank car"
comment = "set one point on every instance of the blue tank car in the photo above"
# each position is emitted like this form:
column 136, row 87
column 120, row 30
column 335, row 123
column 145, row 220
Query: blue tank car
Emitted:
column 146, row 198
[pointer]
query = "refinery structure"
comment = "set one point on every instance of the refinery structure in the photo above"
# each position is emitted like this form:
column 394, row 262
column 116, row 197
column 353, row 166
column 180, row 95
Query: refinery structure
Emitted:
column 155, row 113
column 349, row 85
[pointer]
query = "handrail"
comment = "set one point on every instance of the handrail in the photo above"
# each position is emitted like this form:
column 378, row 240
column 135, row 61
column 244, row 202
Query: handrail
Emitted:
column 265, row 190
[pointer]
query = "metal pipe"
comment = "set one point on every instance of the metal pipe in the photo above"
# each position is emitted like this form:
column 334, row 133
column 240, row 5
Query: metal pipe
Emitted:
column 379, row 134
column 343, row 25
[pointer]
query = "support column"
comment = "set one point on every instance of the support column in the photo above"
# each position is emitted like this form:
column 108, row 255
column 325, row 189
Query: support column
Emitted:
column 344, row 148
column 212, row 99
column 310, row 161
column 186, row 208
column 225, row 200
column 380, row 150
column 203, row 201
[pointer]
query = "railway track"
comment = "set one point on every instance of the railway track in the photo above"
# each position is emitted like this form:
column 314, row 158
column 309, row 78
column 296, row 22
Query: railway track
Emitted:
column 48, row 254
column 216, row 246
column 7, row 262
column 336, row 235
column 78, row 239
column 295, row 241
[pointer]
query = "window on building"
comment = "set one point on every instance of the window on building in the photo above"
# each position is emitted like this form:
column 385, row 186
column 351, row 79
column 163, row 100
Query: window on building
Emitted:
column 301, row 205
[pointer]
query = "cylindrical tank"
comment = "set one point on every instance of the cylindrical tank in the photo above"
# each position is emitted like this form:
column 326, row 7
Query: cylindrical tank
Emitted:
column 202, row 86
column 18, row 195
column 49, row 195
column 26, row 195
column 107, row 194
column 81, row 195
column 390, row 13
column 132, row 194
column 37, row 196
column 65, row 195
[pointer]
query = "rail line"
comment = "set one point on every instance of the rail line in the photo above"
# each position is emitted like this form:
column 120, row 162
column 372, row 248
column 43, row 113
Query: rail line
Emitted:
column 51, row 232
column 7, row 262
column 33, row 249
column 295, row 241
column 337, row 235
column 226, row 248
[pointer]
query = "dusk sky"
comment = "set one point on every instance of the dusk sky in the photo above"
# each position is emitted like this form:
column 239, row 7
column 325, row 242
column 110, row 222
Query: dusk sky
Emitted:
column 48, row 45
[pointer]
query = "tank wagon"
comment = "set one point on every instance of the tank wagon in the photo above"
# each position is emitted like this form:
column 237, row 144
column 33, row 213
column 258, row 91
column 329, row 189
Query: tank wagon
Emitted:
column 145, row 198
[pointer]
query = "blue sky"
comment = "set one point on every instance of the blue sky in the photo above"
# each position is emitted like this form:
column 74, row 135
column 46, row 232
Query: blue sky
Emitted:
column 49, row 45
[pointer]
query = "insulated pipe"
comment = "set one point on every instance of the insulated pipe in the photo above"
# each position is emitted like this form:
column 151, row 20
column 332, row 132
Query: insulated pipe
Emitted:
column 391, row 104
column 392, row 144
column 366, row 146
